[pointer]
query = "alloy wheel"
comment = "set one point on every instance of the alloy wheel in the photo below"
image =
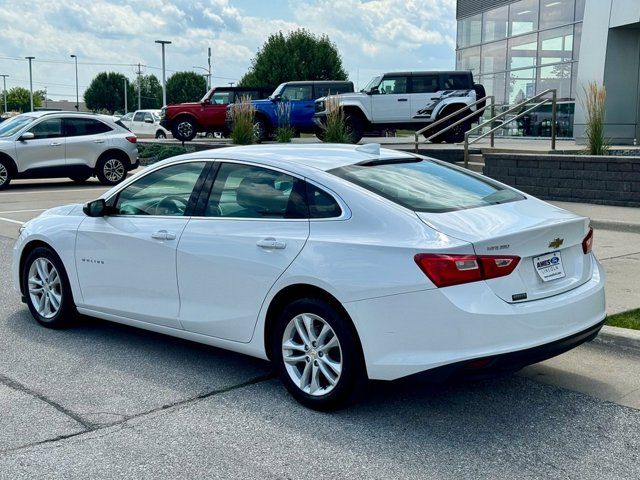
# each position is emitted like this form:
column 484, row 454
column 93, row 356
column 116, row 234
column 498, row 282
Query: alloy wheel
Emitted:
column 114, row 170
column 185, row 129
column 4, row 174
column 312, row 354
column 45, row 287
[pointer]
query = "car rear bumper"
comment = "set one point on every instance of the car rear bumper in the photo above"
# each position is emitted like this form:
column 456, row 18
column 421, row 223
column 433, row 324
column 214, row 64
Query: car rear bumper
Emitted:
column 469, row 326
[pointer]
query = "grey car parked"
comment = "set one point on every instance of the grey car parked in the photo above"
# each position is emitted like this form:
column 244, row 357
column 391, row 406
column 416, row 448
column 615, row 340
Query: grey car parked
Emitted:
column 66, row 144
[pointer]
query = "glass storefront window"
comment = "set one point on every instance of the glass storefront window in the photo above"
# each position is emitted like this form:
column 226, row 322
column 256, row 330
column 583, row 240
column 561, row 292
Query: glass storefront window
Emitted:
column 523, row 17
column 522, row 52
column 494, row 57
column 556, row 45
column 558, row 77
column 556, row 12
column 495, row 24
column 469, row 59
column 522, row 85
column 470, row 31
column 495, row 85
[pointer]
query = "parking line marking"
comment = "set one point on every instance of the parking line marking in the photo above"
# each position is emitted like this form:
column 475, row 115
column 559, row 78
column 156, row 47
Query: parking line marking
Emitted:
column 11, row 221
column 24, row 211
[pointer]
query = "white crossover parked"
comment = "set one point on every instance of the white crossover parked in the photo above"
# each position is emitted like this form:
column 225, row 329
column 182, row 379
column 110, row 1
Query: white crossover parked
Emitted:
column 337, row 263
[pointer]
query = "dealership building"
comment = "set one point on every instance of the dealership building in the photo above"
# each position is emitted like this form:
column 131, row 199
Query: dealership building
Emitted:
column 519, row 48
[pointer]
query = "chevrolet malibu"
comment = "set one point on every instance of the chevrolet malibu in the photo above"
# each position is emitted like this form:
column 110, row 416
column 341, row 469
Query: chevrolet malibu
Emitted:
column 337, row 263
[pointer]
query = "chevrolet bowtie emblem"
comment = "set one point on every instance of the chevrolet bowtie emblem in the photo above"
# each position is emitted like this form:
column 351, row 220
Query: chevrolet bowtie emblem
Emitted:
column 557, row 243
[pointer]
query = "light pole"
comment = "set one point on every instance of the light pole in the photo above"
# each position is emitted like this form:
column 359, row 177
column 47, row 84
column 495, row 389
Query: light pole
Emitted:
column 231, row 84
column 125, row 97
column 30, row 81
column 4, row 81
column 75, row 57
column 164, row 83
column 206, row 75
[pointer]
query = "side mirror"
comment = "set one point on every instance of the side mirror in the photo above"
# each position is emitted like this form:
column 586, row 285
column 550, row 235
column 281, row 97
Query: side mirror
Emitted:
column 374, row 91
column 276, row 98
column 27, row 136
column 148, row 120
column 96, row 208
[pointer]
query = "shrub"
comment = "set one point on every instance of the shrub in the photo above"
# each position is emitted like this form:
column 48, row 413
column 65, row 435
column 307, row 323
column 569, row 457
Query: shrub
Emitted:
column 594, row 102
column 337, row 130
column 241, row 115
column 284, row 132
column 170, row 151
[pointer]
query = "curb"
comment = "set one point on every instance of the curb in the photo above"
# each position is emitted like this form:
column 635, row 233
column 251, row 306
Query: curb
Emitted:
column 619, row 337
column 615, row 226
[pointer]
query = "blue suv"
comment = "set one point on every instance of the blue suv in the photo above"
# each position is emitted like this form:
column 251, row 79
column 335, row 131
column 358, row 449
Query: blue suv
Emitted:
column 301, row 96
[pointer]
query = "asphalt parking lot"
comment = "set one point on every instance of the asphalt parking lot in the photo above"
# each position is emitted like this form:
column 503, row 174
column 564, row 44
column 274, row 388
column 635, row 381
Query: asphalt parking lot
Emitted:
column 109, row 401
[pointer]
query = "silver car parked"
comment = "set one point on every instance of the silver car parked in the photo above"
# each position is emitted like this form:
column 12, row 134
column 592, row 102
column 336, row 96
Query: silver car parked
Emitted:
column 66, row 144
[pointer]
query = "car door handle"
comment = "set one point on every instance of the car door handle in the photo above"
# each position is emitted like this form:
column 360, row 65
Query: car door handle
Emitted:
column 163, row 235
column 271, row 244
column 402, row 99
column 98, row 141
column 55, row 144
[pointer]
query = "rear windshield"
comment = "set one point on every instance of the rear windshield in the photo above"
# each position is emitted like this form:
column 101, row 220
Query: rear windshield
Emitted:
column 426, row 186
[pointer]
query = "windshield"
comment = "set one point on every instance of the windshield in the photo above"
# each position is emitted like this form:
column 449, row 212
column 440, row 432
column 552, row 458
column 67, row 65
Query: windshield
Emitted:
column 13, row 125
column 374, row 82
column 278, row 90
column 426, row 186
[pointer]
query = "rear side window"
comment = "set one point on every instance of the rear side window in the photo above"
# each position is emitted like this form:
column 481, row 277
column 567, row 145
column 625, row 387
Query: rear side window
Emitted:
column 75, row 127
column 321, row 204
column 456, row 81
column 425, row 84
column 426, row 186
column 138, row 117
column 323, row 90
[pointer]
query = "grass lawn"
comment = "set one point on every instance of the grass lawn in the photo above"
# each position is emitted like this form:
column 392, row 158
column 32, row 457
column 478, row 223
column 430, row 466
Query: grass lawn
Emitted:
column 625, row 320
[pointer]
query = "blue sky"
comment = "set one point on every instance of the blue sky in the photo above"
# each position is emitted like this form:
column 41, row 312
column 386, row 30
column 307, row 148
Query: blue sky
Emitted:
column 372, row 36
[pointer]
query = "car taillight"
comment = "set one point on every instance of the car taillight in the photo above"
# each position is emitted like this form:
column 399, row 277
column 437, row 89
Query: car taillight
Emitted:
column 587, row 243
column 447, row 270
column 132, row 139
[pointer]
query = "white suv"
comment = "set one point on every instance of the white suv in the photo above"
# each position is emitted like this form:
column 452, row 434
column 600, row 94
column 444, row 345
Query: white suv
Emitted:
column 146, row 123
column 407, row 100
column 66, row 144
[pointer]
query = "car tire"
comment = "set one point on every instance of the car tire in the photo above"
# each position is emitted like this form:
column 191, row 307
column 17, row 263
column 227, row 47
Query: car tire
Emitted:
column 46, row 289
column 5, row 174
column 80, row 178
column 260, row 130
column 161, row 135
column 320, row 133
column 185, row 129
column 111, row 170
column 355, row 125
column 308, row 374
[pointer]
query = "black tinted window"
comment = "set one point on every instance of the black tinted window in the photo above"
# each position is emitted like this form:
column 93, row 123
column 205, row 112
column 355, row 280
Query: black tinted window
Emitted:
column 244, row 191
column 456, row 82
column 50, row 128
column 321, row 204
column 322, row 90
column 425, row 84
column 75, row 127
column 138, row 117
column 426, row 186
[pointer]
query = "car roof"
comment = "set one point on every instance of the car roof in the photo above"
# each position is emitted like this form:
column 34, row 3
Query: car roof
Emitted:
column 429, row 72
column 317, row 82
column 322, row 156
column 44, row 113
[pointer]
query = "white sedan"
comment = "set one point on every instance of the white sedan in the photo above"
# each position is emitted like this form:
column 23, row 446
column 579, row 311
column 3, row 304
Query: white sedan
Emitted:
column 337, row 263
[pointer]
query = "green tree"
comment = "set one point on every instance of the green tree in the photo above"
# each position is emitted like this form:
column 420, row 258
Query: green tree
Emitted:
column 185, row 87
column 106, row 92
column 150, row 91
column 298, row 55
column 18, row 99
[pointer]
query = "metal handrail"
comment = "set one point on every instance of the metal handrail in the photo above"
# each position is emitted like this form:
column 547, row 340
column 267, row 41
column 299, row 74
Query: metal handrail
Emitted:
column 554, row 114
column 455, row 114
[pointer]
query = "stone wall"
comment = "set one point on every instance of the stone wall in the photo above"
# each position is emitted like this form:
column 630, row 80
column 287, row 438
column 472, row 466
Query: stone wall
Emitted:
column 610, row 180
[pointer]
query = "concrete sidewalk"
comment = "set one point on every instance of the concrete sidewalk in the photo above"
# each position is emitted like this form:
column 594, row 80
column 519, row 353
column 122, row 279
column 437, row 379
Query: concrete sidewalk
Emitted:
column 605, row 217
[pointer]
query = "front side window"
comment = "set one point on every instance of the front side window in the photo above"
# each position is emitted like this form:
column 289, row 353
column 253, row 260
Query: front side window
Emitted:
column 75, row 127
column 426, row 186
column 49, row 128
column 245, row 191
column 297, row 92
column 393, row 85
column 221, row 98
column 165, row 192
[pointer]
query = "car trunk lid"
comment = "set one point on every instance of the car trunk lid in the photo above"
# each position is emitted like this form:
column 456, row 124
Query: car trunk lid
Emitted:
column 547, row 239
